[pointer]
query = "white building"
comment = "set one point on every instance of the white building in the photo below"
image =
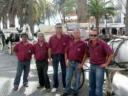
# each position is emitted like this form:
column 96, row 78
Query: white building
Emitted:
column 116, row 22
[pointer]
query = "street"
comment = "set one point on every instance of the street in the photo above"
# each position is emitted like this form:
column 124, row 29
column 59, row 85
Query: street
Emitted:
column 8, row 65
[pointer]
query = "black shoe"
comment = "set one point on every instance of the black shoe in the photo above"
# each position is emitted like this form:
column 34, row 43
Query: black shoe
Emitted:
column 25, row 85
column 65, row 94
column 15, row 88
column 39, row 87
column 75, row 94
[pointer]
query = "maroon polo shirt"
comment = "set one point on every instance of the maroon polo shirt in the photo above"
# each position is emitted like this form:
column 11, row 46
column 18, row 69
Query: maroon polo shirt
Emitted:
column 76, row 50
column 23, row 51
column 58, row 45
column 99, row 52
column 41, row 51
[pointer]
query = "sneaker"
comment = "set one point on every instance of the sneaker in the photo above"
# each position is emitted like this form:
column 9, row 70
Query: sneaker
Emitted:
column 15, row 88
column 43, row 89
column 54, row 90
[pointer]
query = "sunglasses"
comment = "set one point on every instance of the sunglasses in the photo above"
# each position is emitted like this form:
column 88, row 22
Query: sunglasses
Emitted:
column 93, row 35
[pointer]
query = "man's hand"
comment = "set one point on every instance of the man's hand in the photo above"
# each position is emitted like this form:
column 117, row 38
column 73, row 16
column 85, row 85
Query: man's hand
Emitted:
column 50, row 61
column 67, row 63
column 80, row 66
column 104, row 65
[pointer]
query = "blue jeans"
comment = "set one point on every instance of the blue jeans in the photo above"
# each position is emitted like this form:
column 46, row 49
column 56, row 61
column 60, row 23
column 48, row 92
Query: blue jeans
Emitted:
column 56, row 59
column 22, row 66
column 96, row 80
column 71, row 70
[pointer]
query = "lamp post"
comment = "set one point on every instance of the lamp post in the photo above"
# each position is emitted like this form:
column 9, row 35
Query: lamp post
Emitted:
column 106, row 27
column 106, row 23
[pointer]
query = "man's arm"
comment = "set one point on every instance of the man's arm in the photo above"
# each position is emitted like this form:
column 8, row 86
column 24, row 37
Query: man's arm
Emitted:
column 66, row 59
column 109, row 56
column 83, row 61
column 49, row 56
column 108, row 60
column 15, row 49
column 84, row 58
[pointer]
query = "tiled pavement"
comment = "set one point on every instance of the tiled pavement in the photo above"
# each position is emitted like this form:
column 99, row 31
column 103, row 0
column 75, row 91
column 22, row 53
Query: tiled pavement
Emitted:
column 7, row 74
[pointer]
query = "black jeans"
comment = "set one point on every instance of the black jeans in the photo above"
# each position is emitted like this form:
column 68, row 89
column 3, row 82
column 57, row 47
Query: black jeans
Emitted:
column 22, row 66
column 42, row 68
column 56, row 59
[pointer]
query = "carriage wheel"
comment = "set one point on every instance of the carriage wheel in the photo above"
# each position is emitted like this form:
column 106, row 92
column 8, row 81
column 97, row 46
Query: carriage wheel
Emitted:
column 10, row 48
column 82, row 79
column 1, row 44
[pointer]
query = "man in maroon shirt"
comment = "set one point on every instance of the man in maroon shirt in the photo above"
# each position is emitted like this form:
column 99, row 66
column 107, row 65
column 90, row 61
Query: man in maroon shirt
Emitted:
column 100, row 57
column 75, row 57
column 23, row 51
column 57, row 44
column 41, row 57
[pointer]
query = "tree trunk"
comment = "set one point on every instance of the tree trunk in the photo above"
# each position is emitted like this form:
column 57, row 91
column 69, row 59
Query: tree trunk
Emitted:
column 97, row 24
column 5, row 22
column 11, row 20
column 81, row 10
column 21, row 22
column 126, row 18
column 31, row 24
column 0, row 24
column 63, row 16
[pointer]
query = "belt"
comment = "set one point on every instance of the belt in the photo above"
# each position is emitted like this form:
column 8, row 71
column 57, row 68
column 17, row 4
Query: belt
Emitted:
column 75, row 61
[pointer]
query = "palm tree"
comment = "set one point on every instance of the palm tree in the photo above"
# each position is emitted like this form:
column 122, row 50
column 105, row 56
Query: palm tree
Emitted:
column 49, row 12
column 99, row 9
column 126, row 18
column 65, row 7
column 3, row 12
column 27, row 11
column 81, row 10
column 33, row 11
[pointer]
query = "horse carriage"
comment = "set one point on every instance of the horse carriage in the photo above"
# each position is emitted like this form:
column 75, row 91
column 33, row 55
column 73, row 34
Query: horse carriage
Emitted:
column 11, row 36
column 119, row 67
column 2, row 42
column 116, row 77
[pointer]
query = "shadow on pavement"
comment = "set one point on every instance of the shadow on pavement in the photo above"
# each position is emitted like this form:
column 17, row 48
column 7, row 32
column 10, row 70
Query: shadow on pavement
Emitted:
column 18, row 93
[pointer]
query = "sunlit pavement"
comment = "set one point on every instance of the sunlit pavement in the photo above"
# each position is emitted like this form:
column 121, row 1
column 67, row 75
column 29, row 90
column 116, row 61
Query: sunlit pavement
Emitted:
column 8, row 65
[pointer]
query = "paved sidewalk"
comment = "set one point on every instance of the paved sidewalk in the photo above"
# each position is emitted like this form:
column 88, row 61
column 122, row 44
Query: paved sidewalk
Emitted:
column 7, row 74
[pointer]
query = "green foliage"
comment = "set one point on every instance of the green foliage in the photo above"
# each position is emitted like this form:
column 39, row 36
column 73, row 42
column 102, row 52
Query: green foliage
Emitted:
column 98, row 8
column 27, row 10
column 69, row 6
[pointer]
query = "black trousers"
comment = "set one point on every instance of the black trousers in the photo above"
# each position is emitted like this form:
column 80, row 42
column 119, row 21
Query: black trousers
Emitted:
column 42, row 68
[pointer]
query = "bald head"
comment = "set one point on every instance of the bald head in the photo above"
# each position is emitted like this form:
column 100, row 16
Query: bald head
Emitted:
column 40, row 37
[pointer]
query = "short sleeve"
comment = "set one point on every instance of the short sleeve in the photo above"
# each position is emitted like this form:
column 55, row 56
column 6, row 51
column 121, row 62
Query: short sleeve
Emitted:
column 108, row 50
